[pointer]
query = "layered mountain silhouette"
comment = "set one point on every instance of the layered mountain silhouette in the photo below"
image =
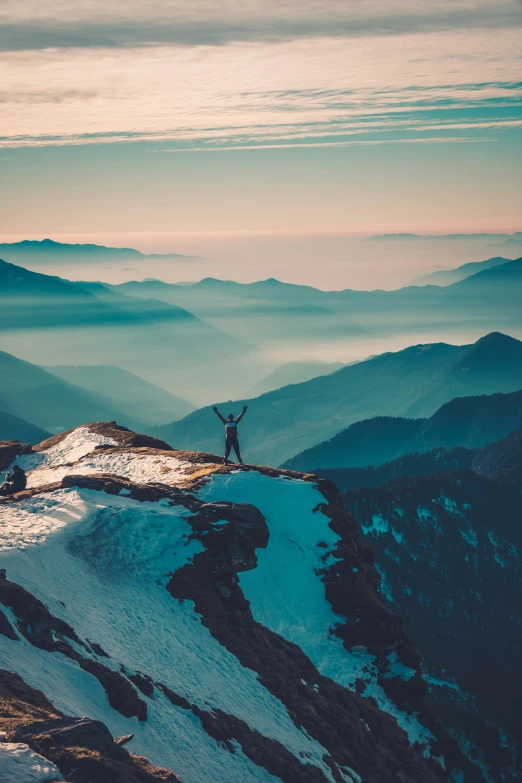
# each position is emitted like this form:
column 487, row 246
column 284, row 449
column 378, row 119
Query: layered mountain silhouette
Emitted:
column 411, row 464
column 271, row 311
column 47, row 401
column 130, row 394
column 173, row 347
column 14, row 428
column 448, row 549
column 51, row 398
column 293, row 372
column 410, row 383
column 465, row 421
column 449, row 276
column 50, row 252
column 264, row 312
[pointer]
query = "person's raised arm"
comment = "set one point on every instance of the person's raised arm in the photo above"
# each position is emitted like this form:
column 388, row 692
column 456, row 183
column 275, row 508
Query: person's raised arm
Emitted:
column 241, row 414
column 218, row 414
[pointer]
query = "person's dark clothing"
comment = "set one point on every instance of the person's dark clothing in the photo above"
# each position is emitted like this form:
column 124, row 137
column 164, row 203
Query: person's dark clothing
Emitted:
column 16, row 481
column 231, row 440
column 232, row 443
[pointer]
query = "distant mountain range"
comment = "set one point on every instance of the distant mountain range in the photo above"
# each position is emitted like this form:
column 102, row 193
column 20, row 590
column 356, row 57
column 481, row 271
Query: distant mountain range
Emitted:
column 166, row 343
column 49, row 252
column 464, row 421
column 412, row 383
column 449, row 276
column 293, row 372
column 35, row 401
column 448, row 550
column 130, row 394
column 411, row 464
column 14, row 428
column 213, row 339
column 273, row 312
column 267, row 311
column 48, row 402
column 443, row 237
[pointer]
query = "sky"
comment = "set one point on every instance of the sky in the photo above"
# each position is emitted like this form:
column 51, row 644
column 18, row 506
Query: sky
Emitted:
column 225, row 128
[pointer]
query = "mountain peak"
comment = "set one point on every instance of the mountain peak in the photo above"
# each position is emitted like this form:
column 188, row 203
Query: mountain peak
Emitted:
column 498, row 341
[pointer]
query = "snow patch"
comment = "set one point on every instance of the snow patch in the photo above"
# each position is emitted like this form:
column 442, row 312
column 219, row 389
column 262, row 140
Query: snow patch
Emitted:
column 378, row 527
column 437, row 682
column 493, row 540
column 398, row 669
column 469, row 535
column 74, row 446
column 285, row 592
column 20, row 764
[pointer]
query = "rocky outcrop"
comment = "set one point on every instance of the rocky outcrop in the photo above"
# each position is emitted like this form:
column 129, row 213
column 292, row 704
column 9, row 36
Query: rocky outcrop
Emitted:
column 49, row 633
column 327, row 711
column 109, row 429
column 82, row 749
column 10, row 449
column 115, row 525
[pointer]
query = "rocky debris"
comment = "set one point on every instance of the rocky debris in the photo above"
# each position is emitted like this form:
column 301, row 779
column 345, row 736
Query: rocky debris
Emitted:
column 121, row 694
column 10, row 450
column 142, row 682
column 267, row 753
column 47, row 632
column 70, row 732
column 35, row 622
column 124, row 740
column 82, row 749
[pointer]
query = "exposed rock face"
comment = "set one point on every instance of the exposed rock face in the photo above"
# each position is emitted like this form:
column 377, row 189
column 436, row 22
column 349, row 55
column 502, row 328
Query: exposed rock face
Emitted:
column 10, row 449
column 448, row 548
column 82, row 749
column 165, row 609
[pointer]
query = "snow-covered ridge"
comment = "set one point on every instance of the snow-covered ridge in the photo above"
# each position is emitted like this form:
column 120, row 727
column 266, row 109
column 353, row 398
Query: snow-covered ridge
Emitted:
column 102, row 555
column 77, row 453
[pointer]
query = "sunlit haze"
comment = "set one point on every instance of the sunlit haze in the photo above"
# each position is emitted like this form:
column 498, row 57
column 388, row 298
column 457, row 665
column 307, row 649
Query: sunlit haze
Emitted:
column 263, row 137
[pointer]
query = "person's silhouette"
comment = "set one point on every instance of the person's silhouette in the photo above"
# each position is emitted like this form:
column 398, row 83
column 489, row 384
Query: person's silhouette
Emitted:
column 231, row 440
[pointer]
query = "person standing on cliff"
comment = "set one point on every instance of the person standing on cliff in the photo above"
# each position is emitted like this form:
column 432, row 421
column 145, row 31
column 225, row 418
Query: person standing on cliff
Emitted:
column 231, row 441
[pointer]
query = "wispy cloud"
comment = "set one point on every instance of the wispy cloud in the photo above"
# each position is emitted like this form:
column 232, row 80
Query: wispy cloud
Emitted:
column 40, row 24
column 408, row 87
column 308, row 145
